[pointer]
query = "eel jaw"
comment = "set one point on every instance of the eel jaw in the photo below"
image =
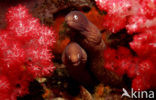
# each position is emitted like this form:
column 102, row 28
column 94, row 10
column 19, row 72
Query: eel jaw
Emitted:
column 76, row 63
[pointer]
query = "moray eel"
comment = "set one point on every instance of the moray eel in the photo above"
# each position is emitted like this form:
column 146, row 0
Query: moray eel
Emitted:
column 90, row 39
column 74, row 58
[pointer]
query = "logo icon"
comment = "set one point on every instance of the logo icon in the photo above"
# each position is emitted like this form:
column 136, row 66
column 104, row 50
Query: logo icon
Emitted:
column 137, row 94
column 125, row 93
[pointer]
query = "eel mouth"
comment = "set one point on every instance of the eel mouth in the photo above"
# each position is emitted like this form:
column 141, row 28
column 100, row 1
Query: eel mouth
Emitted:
column 76, row 63
column 68, row 21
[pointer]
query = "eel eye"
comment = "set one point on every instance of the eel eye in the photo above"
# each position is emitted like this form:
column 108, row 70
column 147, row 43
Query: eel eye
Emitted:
column 78, row 56
column 69, row 57
column 75, row 17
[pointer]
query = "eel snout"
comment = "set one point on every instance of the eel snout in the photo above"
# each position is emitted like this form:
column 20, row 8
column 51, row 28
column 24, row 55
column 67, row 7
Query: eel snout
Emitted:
column 75, row 59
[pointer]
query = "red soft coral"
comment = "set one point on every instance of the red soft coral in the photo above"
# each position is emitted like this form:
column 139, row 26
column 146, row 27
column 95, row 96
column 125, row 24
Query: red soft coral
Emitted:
column 117, row 11
column 4, row 88
column 25, row 52
column 114, row 23
column 121, row 61
column 138, row 17
column 144, row 44
column 117, row 60
column 133, row 13
column 145, row 74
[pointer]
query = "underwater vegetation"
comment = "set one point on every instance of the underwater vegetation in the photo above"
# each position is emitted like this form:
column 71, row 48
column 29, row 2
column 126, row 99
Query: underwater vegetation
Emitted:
column 76, row 49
